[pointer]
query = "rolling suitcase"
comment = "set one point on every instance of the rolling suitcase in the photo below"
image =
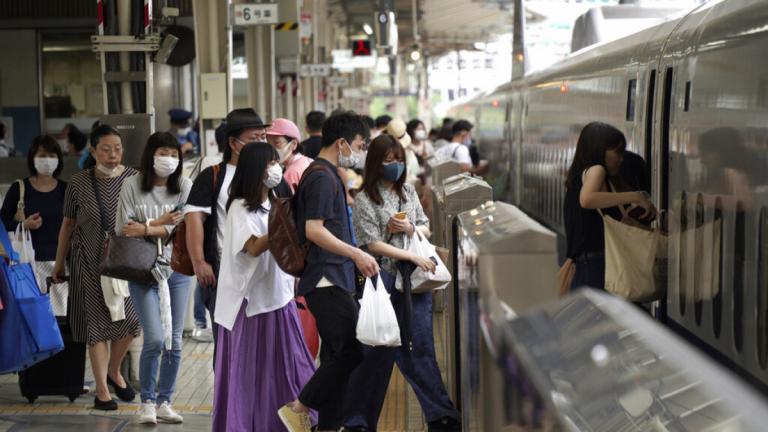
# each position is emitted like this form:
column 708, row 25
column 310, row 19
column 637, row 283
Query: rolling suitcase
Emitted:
column 62, row 374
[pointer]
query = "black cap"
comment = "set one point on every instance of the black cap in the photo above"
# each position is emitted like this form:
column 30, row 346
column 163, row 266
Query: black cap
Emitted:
column 243, row 118
column 179, row 115
column 461, row 126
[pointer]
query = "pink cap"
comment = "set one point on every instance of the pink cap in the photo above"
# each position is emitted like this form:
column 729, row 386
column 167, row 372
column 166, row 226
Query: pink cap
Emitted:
column 284, row 127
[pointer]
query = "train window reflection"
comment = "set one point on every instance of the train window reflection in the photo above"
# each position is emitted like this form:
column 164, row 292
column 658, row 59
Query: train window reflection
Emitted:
column 762, row 289
column 700, row 260
column 717, row 301
column 682, row 284
column 739, row 263
column 631, row 91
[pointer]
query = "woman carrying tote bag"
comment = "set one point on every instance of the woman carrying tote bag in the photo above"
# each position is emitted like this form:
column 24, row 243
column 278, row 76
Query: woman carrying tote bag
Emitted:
column 598, row 157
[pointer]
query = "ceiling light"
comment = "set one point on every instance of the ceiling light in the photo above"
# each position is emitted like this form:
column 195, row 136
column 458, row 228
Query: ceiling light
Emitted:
column 367, row 29
column 415, row 55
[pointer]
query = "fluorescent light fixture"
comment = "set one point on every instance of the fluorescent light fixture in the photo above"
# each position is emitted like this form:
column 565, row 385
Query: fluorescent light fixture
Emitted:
column 367, row 29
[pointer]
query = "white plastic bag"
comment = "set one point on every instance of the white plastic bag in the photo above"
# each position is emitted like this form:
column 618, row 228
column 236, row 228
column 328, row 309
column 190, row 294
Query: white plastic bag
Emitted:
column 422, row 281
column 377, row 323
column 22, row 245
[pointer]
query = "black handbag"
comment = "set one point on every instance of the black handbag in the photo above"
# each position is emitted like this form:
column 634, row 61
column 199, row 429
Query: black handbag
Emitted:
column 127, row 258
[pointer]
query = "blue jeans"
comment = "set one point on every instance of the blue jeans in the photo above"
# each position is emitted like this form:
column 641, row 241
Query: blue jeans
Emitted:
column 147, row 302
column 199, row 309
column 368, row 384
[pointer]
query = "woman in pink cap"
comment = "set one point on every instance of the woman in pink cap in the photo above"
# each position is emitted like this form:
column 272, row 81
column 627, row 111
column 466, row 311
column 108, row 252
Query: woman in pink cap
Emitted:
column 284, row 136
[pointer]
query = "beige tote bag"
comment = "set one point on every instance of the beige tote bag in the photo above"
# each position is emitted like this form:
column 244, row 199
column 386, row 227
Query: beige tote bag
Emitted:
column 631, row 251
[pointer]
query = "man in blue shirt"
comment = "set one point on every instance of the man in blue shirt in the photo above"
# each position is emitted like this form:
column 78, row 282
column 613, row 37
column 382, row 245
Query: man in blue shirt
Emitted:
column 328, row 282
column 181, row 129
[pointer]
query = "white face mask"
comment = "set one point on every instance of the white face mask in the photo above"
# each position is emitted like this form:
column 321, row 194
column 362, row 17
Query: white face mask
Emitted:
column 63, row 144
column 360, row 160
column 284, row 153
column 183, row 131
column 107, row 171
column 165, row 165
column 420, row 134
column 274, row 176
column 46, row 165
column 348, row 161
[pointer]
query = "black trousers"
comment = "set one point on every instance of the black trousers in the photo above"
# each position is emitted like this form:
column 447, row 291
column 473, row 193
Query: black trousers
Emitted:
column 335, row 312
column 209, row 299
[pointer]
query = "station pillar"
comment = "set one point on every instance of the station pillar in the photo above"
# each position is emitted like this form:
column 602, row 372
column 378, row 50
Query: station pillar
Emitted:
column 213, row 46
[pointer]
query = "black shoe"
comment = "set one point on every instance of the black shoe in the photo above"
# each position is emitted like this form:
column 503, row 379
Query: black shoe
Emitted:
column 353, row 429
column 444, row 424
column 109, row 405
column 126, row 393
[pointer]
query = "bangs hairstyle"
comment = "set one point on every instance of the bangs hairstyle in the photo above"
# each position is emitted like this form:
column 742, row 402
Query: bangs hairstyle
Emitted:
column 380, row 148
column 50, row 145
column 156, row 141
column 248, row 182
column 103, row 130
column 595, row 139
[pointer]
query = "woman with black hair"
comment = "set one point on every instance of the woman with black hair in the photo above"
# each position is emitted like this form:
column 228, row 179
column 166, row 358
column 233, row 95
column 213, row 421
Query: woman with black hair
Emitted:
column 150, row 207
column 387, row 213
column 598, row 157
column 262, row 362
column 42, row 202
column 82, row 238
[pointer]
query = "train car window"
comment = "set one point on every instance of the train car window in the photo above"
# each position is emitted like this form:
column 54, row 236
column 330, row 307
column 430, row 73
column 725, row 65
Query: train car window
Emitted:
column 665, row 130
column 687, row 102
column 699, row 266
column 649, row 102
column 631, row 92
column 739, row 273
column 762, row 289
column 717, row 301
column 682, row 281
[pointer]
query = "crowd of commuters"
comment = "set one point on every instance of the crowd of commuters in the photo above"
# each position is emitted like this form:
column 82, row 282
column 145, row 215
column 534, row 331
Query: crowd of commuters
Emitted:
column 285, row 351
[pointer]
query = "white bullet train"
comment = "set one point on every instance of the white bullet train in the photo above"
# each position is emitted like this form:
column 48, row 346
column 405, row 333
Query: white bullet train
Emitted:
column 691, row 96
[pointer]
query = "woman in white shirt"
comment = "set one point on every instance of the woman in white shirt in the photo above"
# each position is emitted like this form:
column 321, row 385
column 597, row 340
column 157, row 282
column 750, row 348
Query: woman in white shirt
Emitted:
column 262, row 362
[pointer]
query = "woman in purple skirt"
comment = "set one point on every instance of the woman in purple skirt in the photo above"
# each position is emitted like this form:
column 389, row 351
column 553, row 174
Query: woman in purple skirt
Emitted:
column 262, row 362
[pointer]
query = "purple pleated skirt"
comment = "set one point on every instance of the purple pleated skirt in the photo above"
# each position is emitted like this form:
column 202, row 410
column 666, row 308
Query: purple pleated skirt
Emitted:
column 261, row 365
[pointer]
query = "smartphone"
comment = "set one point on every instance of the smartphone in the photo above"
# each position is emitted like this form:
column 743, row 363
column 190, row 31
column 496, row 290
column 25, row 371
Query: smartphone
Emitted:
column 179, row 207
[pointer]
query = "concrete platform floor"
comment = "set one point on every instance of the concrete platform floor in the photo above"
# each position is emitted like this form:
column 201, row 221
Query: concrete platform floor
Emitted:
column 193, row 400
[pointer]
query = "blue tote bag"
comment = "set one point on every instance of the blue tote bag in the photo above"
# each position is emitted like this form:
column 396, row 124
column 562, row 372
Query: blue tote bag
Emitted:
column 28, row 329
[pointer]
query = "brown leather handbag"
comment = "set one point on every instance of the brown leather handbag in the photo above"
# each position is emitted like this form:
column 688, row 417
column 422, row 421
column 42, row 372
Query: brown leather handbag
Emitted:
column 180, row 259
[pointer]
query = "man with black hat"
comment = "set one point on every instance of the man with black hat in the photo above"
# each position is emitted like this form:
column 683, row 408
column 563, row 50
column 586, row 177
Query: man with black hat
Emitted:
column 206, row 209
column 181, row 129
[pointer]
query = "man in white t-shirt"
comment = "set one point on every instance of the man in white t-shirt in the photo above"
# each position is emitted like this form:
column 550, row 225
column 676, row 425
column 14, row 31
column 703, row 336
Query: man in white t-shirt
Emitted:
column 458, row 148
column 206, row 211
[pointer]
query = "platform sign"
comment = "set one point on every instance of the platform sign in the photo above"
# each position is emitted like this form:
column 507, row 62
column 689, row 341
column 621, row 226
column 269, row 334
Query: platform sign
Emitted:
column 338, row 81
column 315, row 70
column 255, row 14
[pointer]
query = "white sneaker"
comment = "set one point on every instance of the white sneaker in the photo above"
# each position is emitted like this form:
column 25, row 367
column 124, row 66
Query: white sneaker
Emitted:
column 202, row 335
column 166, row 414
column 147, row 413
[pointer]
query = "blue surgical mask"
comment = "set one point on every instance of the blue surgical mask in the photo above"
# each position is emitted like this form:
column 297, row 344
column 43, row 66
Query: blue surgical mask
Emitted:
column 393, row 171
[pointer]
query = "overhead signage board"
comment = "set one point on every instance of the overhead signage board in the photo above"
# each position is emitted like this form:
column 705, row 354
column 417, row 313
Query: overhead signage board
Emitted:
column 315, row 70
column 255, row 14
column 338, row 81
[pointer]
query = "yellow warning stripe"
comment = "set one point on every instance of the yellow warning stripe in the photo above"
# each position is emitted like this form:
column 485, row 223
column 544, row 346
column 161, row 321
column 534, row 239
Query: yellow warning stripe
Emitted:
column 287, row 26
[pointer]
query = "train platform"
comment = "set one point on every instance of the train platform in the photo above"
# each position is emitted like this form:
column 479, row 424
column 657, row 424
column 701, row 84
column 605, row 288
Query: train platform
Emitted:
column 193, row 400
